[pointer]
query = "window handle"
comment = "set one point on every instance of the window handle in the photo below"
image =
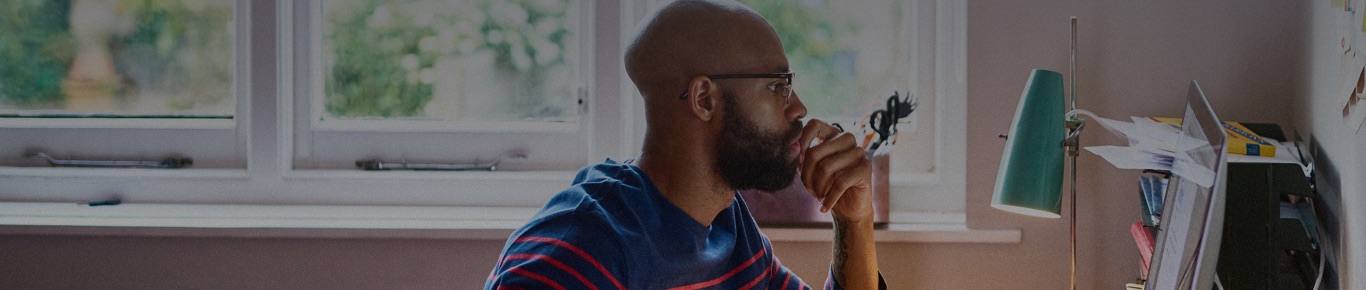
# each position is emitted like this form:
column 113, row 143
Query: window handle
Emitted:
column 376, row 164
column 168, row 163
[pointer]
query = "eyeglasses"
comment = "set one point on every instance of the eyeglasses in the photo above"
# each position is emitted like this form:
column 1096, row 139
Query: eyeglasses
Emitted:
column 783, row 89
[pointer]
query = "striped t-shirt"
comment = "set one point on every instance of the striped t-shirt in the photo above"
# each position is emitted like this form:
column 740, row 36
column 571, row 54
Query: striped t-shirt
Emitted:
column 613, row 230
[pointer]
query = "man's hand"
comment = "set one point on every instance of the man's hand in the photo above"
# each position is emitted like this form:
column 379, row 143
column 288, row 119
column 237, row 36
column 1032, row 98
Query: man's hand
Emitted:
column 837, row 172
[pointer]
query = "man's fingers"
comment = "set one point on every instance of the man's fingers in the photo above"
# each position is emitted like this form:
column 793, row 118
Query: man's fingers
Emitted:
column 853, row 176
column 809, row 132
column 828, row 166
column 816, row 130
column 813, row 172
column 839, row 162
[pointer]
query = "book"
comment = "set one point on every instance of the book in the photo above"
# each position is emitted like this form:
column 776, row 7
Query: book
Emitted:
column 1143, row 238
column 1144, row 204
column 1241, row 140
column 1152, row 188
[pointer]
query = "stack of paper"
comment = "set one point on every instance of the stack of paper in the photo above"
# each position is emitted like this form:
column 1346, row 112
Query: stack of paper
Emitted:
column 1152, row 144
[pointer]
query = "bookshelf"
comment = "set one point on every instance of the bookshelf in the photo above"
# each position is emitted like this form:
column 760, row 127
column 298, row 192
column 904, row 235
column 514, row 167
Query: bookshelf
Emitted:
column 1269, row 239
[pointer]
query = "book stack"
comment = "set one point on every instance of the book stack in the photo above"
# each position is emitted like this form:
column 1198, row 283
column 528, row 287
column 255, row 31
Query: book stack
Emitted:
column 1152, row 185
column 1152, row 189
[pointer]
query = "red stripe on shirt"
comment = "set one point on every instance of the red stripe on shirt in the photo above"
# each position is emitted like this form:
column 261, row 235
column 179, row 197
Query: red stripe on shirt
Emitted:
column 555, row 263
column 494, row 274
column 732, row 272
column 785, row 280
column 577, row 251
column 757, row 279
column 531, row 275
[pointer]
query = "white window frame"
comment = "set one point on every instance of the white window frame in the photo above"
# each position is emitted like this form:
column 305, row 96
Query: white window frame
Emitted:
column 200, row 139
column 526, row 189
column 554, row 146
column 939, row 197
column 88, row 138
column 614, row 124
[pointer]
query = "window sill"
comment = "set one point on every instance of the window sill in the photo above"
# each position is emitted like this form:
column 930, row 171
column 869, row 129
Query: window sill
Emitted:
column 302, row 221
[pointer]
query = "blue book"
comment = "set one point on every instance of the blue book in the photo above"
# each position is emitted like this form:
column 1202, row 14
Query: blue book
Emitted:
column 1159, row 193
column 1153, row 190
column 1145, row 188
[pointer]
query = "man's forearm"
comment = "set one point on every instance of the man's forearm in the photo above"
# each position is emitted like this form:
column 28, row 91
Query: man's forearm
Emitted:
column 855, row 255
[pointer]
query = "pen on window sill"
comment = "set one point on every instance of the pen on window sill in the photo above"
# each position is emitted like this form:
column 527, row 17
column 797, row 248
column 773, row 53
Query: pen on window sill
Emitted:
column 104, row 202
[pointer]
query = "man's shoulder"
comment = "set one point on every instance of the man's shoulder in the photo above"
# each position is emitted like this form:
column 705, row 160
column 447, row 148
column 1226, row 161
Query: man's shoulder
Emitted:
column 596, row 197
column 595, row 216
column 603, row 180
column 611, row 191
column 569, row 243
column 569, row 232
column 595, row 209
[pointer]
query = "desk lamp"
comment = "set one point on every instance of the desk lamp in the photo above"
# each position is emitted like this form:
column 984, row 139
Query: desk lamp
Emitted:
column 1029, row 180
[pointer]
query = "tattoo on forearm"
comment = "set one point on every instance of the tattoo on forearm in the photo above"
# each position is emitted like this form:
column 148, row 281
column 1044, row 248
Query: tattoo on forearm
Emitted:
column 841, row 250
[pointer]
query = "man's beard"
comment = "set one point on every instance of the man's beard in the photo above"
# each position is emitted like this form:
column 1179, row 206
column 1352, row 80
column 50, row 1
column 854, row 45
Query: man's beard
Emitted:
column 750, row 158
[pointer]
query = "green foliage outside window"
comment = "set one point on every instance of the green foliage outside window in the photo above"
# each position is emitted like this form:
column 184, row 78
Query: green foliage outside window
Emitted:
column 383, row 56
column 176, row 52
column 35, row 50
column 809, row 38
column 180, row 48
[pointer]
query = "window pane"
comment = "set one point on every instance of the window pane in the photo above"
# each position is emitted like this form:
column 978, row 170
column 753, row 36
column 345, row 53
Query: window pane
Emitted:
column 480, row 60
column 116, row 58
column 848, row 56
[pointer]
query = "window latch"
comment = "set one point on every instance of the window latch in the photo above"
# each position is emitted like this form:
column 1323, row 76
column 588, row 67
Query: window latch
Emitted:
column 168, row 163
column 376, row 164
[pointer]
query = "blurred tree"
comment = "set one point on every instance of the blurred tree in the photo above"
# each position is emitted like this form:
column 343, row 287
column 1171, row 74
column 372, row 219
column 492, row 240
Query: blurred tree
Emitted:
column 382, row 53
column 35, row 50
column 809, row 38
column 178, row 49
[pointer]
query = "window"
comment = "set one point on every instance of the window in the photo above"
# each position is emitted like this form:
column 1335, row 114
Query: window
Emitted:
column 127, row 58
column 310, row 87
column 128, row 80
column 440, row 81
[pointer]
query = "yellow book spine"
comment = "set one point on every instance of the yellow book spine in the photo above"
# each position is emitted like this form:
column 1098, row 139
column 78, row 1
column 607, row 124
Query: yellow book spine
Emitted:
column 1241, row 140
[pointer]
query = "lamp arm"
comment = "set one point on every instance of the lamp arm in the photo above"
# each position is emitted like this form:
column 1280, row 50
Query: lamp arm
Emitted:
column 1074, row 126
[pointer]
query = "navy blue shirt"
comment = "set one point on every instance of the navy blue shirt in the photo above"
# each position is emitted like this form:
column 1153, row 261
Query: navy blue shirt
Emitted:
column 613, row 230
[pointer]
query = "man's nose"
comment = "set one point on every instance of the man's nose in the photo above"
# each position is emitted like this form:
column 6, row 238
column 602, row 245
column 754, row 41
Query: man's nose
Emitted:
column 796, row 110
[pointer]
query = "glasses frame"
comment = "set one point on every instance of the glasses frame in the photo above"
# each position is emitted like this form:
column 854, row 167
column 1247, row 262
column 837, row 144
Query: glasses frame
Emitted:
column 786, row 76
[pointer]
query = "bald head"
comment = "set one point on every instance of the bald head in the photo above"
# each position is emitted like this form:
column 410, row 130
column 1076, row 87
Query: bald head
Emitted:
column 700, row 149
column 688, row 38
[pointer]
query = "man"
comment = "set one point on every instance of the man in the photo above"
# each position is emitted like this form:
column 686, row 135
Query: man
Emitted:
column 674, row 219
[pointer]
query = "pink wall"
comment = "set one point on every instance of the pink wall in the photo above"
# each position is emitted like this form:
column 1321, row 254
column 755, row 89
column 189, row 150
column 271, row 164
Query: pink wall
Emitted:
column 242, row 263
column 1137, row 58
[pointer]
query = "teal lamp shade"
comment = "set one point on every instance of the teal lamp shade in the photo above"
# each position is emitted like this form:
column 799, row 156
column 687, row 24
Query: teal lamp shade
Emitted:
column 1029, row 181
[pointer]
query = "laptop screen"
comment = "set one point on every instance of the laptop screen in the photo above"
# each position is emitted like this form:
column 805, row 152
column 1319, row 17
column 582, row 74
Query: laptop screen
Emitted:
column 1188, row 239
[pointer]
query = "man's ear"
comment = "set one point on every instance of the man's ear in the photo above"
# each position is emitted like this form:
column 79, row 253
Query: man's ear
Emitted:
column 703, row 94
